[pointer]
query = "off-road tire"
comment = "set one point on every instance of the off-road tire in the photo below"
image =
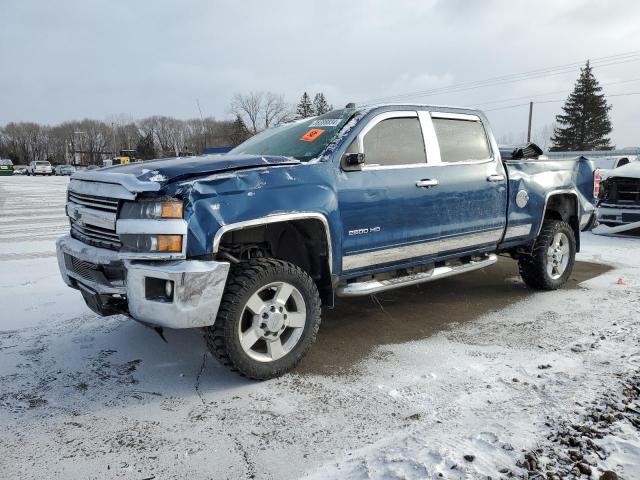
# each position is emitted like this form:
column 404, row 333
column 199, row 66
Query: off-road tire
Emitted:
column 533, row 267
column 245, row 279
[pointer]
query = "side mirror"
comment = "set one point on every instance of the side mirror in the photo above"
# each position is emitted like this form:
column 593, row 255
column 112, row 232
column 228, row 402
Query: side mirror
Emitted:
column 353, row 159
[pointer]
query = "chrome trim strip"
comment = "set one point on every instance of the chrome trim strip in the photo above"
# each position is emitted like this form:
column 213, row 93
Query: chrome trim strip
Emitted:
column 167, row 227
column 392, row 167
column 277, row 218
column 432, row 247
column 431, row 144
column 455, row 116
column 379, row 118
column 376, row 286
column 518, row 231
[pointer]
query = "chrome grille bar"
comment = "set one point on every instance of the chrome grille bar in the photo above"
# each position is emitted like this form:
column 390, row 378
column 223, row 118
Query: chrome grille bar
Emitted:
column 92, row 201
column 92, row 237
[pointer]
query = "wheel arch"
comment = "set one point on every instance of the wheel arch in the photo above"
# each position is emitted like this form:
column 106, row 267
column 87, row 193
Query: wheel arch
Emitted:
column 314, row 253
column 563, row 205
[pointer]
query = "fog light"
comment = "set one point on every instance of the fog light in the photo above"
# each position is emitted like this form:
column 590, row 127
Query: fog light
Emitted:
column 158, row 289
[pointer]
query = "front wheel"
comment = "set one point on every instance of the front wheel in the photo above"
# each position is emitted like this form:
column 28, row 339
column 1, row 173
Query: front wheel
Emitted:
column 550, row 263
column 268, row 318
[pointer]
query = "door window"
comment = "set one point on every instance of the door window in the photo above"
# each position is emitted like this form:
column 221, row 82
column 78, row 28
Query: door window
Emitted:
column 461, row 140
column 395, row 141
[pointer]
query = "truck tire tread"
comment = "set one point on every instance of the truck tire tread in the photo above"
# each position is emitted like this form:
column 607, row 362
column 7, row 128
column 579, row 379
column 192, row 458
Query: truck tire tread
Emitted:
column 242, row 277
column 532, row 267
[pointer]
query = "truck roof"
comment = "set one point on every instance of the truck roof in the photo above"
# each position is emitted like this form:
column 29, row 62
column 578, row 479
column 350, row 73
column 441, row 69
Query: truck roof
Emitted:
column 419, row 105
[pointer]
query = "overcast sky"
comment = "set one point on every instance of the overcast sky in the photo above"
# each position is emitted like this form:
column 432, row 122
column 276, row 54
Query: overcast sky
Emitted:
column 67, row 60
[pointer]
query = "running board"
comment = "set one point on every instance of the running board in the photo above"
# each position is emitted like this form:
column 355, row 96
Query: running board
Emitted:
column 376, row 286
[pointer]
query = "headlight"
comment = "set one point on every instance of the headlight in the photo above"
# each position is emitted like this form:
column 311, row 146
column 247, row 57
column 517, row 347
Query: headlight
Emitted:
column 142, row 243
column 152, row 209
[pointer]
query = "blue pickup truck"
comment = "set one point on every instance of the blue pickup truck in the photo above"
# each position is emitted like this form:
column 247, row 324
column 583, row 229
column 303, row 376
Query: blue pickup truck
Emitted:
column 250, row 245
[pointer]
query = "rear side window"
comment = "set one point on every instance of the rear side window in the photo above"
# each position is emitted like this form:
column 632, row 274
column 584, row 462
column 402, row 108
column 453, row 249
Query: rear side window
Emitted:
column 461, row 140
column 395, row 141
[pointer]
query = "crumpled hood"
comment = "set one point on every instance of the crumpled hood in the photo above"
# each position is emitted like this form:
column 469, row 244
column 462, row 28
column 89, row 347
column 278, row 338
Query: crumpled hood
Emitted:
column 170, row 169
column 630, row 170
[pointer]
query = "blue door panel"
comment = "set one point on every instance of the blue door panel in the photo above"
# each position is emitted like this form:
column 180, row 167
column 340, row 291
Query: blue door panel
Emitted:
column 384, row 208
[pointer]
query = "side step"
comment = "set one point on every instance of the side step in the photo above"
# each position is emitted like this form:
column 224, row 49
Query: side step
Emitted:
column 376, row 286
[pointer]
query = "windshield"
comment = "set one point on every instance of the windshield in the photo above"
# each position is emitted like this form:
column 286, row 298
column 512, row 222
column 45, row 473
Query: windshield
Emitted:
column 6, row 162
column 42, row 163
column 304, row 139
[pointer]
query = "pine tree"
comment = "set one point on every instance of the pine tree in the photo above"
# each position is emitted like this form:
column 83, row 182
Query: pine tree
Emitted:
column 585, row 123
column 145, row 149
column 304, row 108
column 320, row 105
column 239, row 131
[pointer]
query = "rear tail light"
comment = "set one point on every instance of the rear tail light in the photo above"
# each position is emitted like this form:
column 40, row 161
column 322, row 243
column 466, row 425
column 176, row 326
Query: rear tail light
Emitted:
column 597, row 177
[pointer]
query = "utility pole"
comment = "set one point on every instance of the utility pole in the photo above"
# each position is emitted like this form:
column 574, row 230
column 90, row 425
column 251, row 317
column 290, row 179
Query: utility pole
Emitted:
column 113, row 131
column 204, row 130
column 529, row 128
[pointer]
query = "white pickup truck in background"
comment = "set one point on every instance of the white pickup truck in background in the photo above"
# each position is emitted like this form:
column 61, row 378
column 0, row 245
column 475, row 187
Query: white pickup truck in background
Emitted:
column 39, row 167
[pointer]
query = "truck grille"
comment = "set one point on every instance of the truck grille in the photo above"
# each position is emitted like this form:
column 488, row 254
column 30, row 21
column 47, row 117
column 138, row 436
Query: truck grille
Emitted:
column 97, row 235
column 104, row 204
column 621, row 191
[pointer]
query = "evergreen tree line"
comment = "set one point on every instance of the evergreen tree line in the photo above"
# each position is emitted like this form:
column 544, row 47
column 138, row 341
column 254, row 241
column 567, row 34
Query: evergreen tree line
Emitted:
column 307, row 108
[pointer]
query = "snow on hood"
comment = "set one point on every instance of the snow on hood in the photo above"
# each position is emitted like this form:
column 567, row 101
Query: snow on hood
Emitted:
column 630, row 170
column 169, row 169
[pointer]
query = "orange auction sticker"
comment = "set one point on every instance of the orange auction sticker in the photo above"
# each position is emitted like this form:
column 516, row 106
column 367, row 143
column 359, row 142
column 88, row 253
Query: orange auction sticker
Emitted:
column 312, row 134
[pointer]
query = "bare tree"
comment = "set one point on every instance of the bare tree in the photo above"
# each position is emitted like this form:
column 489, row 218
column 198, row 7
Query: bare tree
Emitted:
column 260, row 110
column 249, row 108
column 542, row 136
column 275, row 110
column 26, row 141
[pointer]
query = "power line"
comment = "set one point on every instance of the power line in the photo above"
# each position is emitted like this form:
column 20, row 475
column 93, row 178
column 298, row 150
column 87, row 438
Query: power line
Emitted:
column 493, row 84
column 556, row 101
column 517, row 77
column 601, row 61
column 550, row 93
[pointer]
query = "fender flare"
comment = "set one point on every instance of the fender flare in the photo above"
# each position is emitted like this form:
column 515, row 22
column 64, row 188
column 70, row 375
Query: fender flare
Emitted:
column 277, row 218
column 555, row 193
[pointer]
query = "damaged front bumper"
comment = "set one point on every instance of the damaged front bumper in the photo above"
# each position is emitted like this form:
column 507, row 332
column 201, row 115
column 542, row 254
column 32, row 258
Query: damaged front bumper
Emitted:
column 613, row 220
column 173, row 294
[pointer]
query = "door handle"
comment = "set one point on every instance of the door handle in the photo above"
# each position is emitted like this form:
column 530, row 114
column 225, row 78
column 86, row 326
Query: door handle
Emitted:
column 496, row 177
column 427, row 183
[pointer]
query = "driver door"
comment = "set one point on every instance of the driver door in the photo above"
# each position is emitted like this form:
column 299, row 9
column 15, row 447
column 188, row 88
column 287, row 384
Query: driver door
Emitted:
column 388, row 206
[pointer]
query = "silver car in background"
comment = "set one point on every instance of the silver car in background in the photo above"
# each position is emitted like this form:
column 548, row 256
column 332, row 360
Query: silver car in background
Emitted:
column 64, row 170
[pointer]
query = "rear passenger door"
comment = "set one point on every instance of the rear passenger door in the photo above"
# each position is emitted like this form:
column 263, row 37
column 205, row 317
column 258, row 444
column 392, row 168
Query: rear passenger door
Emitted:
column 472, row 184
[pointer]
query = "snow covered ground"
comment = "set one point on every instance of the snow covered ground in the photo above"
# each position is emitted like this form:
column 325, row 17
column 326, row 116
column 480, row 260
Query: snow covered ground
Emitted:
column 89, row 397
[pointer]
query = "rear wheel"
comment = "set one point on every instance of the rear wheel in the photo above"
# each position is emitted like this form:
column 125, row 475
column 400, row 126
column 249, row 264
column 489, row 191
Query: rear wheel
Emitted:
column 551, row 261
column 268, row 318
